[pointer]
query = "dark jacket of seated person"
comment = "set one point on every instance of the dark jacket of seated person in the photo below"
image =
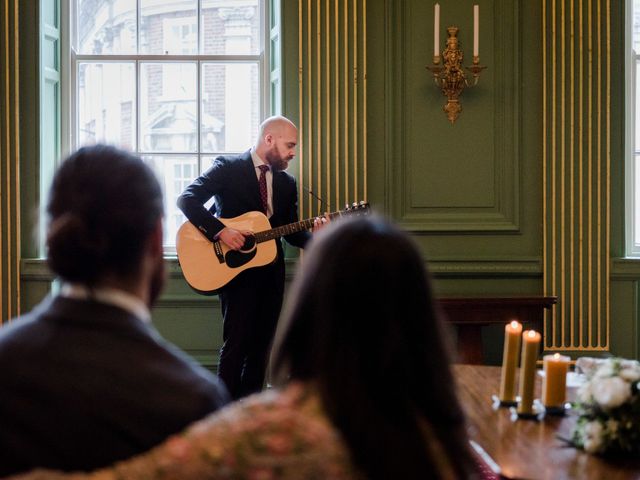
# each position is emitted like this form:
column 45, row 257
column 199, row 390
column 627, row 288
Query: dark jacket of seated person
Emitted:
column 85, row 379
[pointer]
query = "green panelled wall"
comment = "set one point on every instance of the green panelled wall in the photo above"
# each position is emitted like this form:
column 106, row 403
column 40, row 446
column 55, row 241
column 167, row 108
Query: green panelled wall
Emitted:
column 472, row 193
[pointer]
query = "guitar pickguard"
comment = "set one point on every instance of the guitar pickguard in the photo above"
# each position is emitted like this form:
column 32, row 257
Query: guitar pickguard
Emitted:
column 235, row 258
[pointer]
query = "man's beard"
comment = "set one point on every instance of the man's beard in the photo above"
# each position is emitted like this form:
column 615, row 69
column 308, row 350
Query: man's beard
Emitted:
column 157, row 281
column 276, row 161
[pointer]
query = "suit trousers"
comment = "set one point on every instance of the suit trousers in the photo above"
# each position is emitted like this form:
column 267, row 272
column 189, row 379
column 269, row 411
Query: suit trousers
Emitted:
column 251, row 305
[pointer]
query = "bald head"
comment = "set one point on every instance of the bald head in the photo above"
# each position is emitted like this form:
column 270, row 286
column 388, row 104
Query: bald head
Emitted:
column 275, row 126
column 277, row 140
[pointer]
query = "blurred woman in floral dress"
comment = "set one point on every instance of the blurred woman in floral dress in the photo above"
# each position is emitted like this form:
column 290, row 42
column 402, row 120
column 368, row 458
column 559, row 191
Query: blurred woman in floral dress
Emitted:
column 365, row 389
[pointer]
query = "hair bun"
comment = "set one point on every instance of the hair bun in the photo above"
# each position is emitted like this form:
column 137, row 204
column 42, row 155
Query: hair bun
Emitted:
column 73, row 251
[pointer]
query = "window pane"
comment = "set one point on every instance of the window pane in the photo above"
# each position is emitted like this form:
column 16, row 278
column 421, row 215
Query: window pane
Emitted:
column 106, row 27
column 168, row 107
column 635, row 26
column 169, row 27
column 106, row 104
column 174, row 173
column 230, row 27
column 230, row 106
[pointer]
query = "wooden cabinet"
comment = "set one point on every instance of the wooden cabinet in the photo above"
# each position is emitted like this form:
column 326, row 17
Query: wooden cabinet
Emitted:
column 470, row 314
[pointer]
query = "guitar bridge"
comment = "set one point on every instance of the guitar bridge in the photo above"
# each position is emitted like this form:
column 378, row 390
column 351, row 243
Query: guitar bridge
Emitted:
column 217, row 248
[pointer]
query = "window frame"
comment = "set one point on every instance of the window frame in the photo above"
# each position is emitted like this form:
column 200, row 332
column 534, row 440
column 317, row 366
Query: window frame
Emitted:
column 70, row 59
column 632, row 61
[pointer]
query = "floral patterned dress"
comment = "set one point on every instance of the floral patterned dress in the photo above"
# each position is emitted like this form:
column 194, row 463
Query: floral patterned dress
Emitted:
column 273, row 435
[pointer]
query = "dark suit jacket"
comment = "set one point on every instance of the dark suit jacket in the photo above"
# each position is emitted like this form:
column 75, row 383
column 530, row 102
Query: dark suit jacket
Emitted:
column 83, row 384
column 233, row 183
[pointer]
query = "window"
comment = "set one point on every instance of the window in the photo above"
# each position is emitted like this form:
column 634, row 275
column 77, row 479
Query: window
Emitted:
column 176, row 81
column 633, row 129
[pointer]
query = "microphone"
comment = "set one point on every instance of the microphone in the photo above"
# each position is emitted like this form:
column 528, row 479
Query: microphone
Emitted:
column 322, row 202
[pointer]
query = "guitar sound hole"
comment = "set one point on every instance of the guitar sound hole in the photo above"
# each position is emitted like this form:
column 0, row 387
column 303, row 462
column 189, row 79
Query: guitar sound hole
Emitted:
column 249, row 243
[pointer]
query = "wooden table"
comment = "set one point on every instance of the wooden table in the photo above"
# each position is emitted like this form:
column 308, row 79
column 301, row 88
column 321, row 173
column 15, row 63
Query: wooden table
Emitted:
column 524, row 448
column 470, row 314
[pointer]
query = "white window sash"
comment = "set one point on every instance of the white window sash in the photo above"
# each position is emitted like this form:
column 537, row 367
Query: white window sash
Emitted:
column 71, row 60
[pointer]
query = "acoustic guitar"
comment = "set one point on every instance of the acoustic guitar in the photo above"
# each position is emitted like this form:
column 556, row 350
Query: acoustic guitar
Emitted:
column 208, row 266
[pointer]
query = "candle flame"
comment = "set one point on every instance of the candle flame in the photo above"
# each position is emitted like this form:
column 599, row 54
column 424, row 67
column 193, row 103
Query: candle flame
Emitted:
column 531, row 333
column 514, row 324
column 556, row 356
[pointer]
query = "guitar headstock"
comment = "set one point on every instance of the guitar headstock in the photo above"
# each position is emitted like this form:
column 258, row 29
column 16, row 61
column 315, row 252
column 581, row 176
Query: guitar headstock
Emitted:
column 357, row 208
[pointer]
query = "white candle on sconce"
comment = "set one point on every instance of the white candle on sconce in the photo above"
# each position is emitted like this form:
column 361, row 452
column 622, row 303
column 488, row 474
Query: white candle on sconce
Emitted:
column 436, row 30
column 476, row 30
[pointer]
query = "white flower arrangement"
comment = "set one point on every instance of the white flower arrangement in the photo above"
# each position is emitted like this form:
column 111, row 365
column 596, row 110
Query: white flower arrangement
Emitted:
column 608, row 405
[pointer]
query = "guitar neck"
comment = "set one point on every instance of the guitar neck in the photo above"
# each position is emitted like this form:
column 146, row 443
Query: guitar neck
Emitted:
column 290, row 228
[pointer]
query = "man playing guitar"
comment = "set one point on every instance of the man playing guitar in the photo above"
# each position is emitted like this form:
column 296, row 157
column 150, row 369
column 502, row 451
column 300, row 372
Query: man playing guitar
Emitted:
column 252, row 181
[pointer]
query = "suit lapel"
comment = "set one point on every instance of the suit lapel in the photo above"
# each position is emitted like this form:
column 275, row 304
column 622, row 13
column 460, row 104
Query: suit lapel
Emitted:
column 278, row 187
column 251, row 179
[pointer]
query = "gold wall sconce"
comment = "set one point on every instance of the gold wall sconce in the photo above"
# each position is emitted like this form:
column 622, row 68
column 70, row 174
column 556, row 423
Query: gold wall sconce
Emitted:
column 450, row 76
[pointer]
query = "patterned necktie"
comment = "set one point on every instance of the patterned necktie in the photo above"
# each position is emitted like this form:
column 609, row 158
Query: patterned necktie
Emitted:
column 262, row 181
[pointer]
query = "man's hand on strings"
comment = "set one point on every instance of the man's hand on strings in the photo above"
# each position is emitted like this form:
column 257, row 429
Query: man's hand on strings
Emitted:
column 233, row 238
column 321, row 222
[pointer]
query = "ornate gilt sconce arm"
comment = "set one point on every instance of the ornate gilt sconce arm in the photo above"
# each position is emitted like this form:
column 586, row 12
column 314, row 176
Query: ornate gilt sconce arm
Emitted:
column 450, row 75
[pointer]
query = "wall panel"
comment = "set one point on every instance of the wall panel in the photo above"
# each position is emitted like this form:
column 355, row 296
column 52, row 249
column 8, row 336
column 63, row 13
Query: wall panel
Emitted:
column 332, row 111
column 9, row 160
column 577, row 176
column 461, row 177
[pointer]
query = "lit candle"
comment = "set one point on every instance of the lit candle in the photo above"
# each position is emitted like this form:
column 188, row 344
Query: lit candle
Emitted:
column 554, row 385
column 476, row 30
column 512, row 332
column 436, row 30
column 530, row 344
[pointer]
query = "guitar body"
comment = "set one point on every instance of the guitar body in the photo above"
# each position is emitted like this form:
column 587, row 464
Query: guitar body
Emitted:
column 207, row 270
